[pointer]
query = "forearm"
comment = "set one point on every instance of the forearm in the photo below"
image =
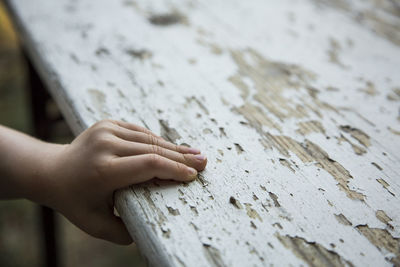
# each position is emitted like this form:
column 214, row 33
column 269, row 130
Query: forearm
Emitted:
column 23, row 164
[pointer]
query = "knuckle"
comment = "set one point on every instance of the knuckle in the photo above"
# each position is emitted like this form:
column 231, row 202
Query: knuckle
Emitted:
column 101, row 123
column 102, row 165
column 107, row 121
column 152, row 140
column 147, row 131
column 105, row 125
column 154, row 149
column 102, row 140
column 144, row 130
column 180, row 167
column 154, row 160
column 177, row 148
column 185, row 158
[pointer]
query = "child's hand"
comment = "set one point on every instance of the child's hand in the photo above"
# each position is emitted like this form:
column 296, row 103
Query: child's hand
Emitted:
column 79, row 179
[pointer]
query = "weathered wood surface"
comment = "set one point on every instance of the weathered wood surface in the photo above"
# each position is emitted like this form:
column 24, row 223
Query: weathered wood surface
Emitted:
column 295, row 103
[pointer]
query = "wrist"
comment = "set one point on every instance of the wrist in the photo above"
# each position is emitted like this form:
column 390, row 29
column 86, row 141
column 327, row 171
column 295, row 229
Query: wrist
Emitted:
column 41, row 179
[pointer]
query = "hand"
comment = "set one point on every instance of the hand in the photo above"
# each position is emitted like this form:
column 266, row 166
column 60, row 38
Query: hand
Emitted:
column 81, row 177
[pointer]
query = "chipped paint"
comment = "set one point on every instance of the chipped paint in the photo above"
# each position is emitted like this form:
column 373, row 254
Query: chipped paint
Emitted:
column 270, row 79
column 141, row 54
column 237, row 81
column 239, row 148
column 342, row 219
column 168, row 19
column 275, row 199
column 199, row 103
column 369, row 89
column 385, row 185
column 271, row 89
column 380, row 17
column 376, row 165
column 235, row 203
column 256, row 117
column 172, row 211
column 193, row 208
column 394, row 95
column 312, row 253
column 383, row 217
column 356, row 148
column 383, row 240
column 161, row 217
column 286, row 163
column 213, row 255
column 214, row 48
column 308, row 152
column 334, row 49
column 357, row 134
column 393, row 131
column 307, row 127
column 167, row 132
column 252, row 213
column 98, row 101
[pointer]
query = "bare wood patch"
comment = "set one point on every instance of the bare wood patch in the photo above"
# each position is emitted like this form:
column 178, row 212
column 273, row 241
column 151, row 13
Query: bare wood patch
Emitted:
column 161, row 217
column 270, row 79
column 194, row 210
column 141, row 54
column 310, row 152
column 383, row 217
column 235, row 203
column 199, row 104
column 172, row 211
column 376, row 165
column 357, row 134
column 382, row 18
column 239, row 148
column 342, row 219
column 168, row 19
column 356, row 148
column 256, row 117
column 275, row 199
column 312, row 253
column 167, row 132
column 98, row 100
column 393, row 131
column 308, row 127
column 369, row 89
column 252, row 213
column 213, row 255
column 383, row 240
column 334, row 49
column 214, row 48
column 286, row 163
column 394, row 95
column 385, row 185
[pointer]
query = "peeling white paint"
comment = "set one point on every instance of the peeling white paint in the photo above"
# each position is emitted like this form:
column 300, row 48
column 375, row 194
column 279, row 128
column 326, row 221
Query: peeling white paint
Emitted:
column 63, row 37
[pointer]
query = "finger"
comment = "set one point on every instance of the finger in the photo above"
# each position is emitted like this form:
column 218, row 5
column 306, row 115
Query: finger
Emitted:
column 125, row 149
column 141, row 168
column 140, row 137
column 134, row 127
column 113, row 230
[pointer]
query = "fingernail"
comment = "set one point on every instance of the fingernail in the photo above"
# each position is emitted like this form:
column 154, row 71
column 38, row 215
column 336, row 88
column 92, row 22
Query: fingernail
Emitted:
column 192, row 172
column 200, row 157
column 193, row 150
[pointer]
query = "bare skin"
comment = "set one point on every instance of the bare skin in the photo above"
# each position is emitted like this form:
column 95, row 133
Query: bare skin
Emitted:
column 79, row 179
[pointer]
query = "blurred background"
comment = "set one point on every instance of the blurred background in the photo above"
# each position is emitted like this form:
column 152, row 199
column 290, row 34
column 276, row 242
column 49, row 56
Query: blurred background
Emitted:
column 21, row 236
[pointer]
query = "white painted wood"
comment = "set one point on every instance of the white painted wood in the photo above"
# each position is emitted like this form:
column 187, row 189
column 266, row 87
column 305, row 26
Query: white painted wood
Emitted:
column 295, row 103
